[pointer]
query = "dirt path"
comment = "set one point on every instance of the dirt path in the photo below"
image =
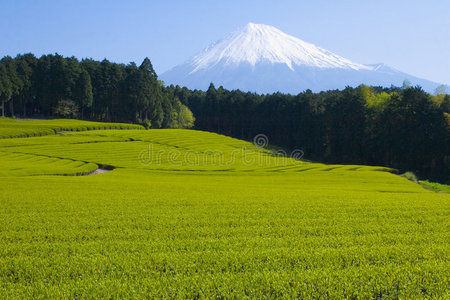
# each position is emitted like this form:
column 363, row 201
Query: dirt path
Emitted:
column 99, row 171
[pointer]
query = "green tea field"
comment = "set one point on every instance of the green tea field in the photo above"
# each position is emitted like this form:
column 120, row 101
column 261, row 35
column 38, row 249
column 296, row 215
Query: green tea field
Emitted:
column 192, row 214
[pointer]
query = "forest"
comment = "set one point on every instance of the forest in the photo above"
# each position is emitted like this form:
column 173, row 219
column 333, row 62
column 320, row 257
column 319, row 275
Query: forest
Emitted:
column 403, row 128
column 55, row 86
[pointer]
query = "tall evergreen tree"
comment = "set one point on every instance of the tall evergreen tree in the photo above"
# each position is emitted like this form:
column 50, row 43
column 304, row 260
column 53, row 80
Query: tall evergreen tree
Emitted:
column 26, row 65
column 150, row 95
column 82, row 92
column 5, row 87
column 13, row 84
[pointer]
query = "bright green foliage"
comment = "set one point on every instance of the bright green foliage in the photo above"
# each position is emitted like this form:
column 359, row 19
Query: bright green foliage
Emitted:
column 66, row 109
column 436, row 186
column 10, row 128
column 210, row 217
column 17, row 164
column 410, row 176
column 374, row 100
column 183, row 119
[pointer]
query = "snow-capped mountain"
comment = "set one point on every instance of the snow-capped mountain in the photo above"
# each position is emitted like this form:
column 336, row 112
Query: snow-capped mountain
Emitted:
column 261, row 58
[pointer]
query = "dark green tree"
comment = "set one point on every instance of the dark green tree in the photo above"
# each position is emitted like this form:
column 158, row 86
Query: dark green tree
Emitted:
column 26, row 65
column 82, row 92
column 5, row 88
column 13, row 82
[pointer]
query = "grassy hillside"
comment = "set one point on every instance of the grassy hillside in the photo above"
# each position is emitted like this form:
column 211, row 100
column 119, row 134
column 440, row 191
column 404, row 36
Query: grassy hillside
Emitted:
column 10, row 128
column 436, row 186
column 189, row 214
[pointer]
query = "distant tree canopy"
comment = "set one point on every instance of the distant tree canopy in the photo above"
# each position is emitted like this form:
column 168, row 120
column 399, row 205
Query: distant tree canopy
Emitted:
column 403, row 128
column 57, row 86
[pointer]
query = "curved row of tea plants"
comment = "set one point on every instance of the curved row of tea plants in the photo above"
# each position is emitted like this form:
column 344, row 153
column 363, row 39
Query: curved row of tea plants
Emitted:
column 11, row 128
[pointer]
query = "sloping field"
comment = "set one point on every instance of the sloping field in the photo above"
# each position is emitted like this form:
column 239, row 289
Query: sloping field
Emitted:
column 191, row 214
column 10, row 128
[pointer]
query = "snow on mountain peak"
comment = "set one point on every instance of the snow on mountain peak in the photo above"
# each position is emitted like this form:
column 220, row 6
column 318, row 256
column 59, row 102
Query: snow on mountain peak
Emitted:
column 255, row 43
column 263, row 59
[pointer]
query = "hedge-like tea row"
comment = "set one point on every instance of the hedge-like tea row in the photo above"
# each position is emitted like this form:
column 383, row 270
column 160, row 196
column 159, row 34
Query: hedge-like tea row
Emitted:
column 10, row 128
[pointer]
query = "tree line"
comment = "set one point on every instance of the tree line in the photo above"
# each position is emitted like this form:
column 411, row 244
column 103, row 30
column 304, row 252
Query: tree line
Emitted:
column 56, row 86
column 403, row 128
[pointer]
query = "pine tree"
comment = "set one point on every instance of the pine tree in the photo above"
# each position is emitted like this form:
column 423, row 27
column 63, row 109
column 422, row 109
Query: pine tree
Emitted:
column 5, row 87
column 82, row 92
column 26, row 65
column 15, row 83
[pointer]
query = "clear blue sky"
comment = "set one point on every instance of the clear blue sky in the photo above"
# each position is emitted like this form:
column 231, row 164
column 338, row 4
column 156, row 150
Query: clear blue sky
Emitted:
column 412, row 36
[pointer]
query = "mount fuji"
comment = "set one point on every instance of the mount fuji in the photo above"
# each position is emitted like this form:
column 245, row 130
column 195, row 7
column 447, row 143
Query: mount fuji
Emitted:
column 263, row 59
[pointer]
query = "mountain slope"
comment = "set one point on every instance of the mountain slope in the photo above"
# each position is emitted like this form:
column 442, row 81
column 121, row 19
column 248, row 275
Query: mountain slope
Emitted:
column 262, row 43
column 263, row 59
